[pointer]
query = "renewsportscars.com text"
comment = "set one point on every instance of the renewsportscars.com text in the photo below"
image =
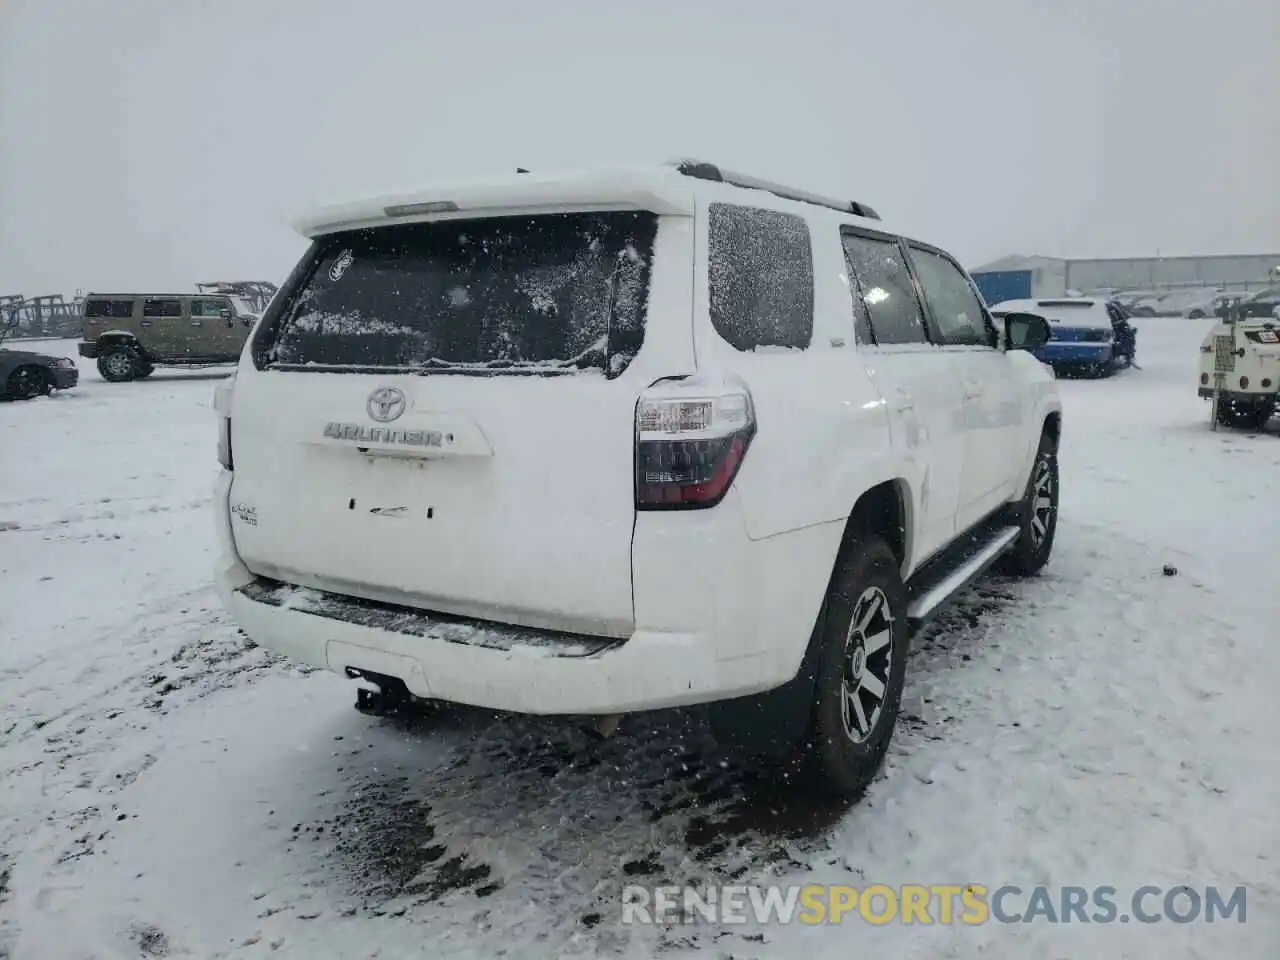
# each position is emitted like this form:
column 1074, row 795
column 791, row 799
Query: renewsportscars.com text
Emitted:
column 959, row 904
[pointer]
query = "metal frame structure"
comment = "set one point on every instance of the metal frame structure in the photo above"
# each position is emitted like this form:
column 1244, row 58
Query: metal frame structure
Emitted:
column 257, row 293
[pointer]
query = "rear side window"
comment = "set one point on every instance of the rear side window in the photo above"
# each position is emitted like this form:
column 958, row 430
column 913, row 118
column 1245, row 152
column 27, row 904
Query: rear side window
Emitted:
column 208, row 308
column 117, row 309
column 760, row 277
column 542, row 294
column 162, row 308
column 885, row 288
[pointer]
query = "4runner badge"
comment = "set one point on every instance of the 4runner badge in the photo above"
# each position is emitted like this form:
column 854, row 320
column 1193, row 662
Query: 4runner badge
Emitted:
column 340, row 265
column 246, row 513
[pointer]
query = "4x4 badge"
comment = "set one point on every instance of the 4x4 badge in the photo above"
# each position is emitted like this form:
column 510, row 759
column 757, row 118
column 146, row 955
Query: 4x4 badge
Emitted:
column 386, row 403
column 340, row 265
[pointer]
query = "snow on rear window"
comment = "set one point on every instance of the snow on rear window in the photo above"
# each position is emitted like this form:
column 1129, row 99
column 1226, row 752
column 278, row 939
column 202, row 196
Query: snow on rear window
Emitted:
column 760, row 277
column 560, row 291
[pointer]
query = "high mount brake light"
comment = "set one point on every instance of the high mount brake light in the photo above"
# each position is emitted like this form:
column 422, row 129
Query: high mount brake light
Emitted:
column 689, row 449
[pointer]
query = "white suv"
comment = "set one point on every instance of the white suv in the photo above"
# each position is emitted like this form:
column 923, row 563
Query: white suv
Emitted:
column 601, row 443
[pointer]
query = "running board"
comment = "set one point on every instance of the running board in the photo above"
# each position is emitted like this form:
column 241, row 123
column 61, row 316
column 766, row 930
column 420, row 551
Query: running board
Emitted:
column 933, row 587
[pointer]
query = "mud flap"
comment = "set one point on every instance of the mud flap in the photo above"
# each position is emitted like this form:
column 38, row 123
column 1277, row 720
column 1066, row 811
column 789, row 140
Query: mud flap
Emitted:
column 771, row 726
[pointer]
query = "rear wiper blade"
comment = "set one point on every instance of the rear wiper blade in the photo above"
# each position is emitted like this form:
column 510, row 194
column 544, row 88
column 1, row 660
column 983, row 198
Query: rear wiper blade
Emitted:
column 435, row 363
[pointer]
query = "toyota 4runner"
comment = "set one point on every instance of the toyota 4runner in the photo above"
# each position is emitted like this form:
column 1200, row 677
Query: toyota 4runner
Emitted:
column 593, row 444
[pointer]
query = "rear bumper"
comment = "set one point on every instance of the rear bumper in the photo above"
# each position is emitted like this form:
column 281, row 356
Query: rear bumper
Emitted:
column 87, row 348
column 1060, row 351
column 467, row 663
column 1239, row 396
column 750, row 640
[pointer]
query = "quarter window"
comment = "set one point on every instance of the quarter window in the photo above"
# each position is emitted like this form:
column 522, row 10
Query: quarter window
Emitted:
column 760, row 277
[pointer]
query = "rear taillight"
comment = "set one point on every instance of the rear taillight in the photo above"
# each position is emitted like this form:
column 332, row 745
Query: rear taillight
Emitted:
column 224, row 443
column 222, row 407
column 691, row 438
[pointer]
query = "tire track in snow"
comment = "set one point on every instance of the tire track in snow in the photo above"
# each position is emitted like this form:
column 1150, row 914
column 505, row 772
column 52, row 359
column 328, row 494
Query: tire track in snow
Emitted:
column 532, row 815
column 88, row 752
column 1019, row 682
column 113, row 654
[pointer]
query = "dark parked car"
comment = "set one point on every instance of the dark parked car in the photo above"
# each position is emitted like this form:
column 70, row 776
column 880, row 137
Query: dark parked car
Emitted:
column 1210, row 306
column 1263, row 303
column 25, row 374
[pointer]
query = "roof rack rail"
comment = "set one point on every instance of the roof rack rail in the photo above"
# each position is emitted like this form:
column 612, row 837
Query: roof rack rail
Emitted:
column 702, row 170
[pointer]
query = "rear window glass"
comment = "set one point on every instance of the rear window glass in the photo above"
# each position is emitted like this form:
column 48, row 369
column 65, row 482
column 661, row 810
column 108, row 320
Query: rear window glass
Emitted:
column 543, row 294
column 760, row 277
column 162, row 308
column 108, row 308
column 208, row 308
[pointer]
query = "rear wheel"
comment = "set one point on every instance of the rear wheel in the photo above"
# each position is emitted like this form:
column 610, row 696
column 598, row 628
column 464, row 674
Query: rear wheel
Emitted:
column 28, row 382
column 861, row 668
column 120, row 363
column 1245, row 415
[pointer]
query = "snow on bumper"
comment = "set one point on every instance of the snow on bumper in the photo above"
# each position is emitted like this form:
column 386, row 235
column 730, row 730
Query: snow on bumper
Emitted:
column 492, row 667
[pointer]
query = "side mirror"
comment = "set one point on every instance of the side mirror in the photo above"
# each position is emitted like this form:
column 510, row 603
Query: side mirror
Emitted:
column 224, row 313
column 248, row 319
column 1025, row 331
column 11, row 322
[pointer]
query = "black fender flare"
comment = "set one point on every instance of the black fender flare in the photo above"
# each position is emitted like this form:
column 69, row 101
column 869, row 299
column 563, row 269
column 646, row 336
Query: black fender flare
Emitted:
column 112, row 338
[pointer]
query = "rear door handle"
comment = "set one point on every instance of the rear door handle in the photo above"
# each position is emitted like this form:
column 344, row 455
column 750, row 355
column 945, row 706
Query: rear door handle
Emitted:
column 905, row 402
column 144, row 323
column 972, row 390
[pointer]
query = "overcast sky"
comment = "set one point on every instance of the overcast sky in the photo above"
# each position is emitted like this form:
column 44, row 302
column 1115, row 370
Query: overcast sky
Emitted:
column 155, row 143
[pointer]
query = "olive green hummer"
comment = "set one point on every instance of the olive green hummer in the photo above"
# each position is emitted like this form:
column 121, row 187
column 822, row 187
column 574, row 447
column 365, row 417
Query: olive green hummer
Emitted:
column 130, row 334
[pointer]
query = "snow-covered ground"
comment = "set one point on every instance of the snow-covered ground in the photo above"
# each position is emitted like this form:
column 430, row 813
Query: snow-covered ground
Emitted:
column 168, row 790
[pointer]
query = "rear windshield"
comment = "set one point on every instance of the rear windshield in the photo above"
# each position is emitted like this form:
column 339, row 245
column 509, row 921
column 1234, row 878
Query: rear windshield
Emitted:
column 556, row 293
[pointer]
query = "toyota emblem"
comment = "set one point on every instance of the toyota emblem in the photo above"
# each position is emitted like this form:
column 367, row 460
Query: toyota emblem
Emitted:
column 386, row 403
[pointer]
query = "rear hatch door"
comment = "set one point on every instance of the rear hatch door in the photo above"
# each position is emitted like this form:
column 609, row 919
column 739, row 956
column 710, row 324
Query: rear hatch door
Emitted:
column 442, row 414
